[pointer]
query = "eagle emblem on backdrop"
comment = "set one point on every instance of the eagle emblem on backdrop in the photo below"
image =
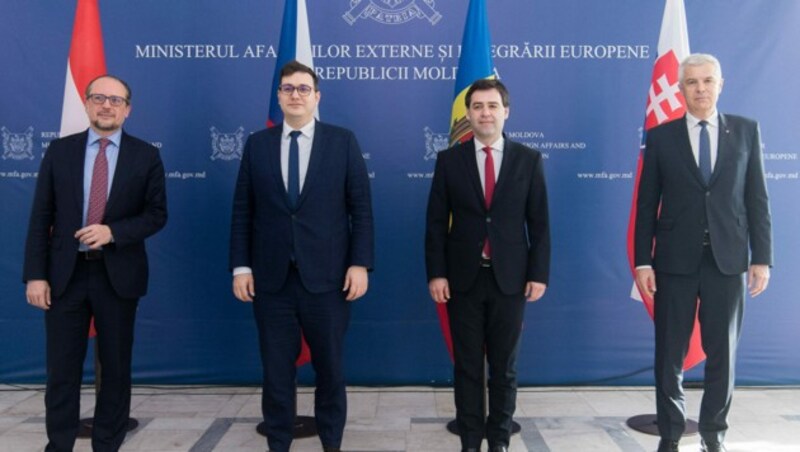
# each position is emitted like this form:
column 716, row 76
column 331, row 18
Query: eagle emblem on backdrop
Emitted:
column 392, row 12
column 434, row 142
column 227, row 146
column 18, row 145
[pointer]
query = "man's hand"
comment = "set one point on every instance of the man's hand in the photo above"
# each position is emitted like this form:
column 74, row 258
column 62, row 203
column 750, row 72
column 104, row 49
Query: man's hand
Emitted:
column 534, row 290
column 94, row 236
column 356, row 282
column 646, row 281
column 757, row 279
column 439, row 289
column 38, row 293
column 244, row 287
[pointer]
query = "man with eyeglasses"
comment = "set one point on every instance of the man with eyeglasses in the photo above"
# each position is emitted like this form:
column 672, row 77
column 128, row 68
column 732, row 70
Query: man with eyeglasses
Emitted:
column 99, row 195
column 301, row 246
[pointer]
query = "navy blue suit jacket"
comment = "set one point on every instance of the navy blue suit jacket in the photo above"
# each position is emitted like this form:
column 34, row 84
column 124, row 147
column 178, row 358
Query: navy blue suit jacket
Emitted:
column 517, row 223
column 329, row 230
column 136, row 209
column 733, row 206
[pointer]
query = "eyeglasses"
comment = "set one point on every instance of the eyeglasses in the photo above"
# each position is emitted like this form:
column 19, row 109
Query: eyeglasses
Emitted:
column 100, row 99
column 303, row 90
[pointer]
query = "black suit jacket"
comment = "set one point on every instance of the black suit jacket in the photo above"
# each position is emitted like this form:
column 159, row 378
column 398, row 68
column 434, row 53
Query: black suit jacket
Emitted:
column 733, row 206
column 136, row 209
column 517, row 223
column 331, row 227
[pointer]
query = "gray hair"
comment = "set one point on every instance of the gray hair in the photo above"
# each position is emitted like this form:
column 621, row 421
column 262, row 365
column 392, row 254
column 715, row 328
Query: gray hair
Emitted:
column 699, row 59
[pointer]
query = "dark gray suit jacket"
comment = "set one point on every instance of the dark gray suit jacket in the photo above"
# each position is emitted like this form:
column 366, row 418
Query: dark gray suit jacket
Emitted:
column 329, row 230
column 733, row 206
column 517, row 223
column 136, row 209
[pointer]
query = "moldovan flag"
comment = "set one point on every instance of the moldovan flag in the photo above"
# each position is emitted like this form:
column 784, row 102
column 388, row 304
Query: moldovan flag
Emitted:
column 85, row 63
column 474, row 63
column 295, row 44
column 665, row 103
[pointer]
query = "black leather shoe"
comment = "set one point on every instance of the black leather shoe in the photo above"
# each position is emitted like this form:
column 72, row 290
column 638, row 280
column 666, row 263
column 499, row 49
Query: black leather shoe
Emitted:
column 498, row 449
column 471, row 449
column 331, row 449
column 712, row 447
column 666, row 445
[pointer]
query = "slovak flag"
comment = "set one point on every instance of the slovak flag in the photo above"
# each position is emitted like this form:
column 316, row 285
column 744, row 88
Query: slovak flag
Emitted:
column 86, row 62
column 664, row 103
column 295, row 44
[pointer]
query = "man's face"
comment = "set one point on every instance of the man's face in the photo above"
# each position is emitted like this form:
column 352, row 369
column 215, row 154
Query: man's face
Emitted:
column 298, row 110
column 106, row 118
column 486, row 114
column 700, row 87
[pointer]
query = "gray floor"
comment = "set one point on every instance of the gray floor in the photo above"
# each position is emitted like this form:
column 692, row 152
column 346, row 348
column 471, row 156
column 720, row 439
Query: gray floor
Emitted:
column 409, row 419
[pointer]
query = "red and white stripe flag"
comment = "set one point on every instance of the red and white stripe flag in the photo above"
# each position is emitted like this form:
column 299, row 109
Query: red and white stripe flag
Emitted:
column 86, row 61
column 664, row 103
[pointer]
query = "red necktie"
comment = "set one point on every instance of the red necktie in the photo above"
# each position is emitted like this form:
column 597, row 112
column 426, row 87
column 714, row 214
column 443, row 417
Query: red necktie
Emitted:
column 98, row 191
column 488, row 191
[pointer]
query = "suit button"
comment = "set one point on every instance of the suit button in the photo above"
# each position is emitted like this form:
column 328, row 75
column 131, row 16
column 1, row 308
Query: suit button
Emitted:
column 708, row 193
column 488, row 219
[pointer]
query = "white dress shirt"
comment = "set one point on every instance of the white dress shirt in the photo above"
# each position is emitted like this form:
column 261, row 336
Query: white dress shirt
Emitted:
column 694, row 128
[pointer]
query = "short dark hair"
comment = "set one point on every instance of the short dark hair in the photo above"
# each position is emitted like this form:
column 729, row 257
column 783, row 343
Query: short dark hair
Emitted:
column 294, row 67
column 112, row 77
column 486, row 84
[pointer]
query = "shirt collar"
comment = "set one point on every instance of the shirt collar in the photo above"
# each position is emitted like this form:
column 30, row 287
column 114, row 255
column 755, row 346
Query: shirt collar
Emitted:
column 114, row 137
column 712, row 120
column 307, row 130
column 497, row 146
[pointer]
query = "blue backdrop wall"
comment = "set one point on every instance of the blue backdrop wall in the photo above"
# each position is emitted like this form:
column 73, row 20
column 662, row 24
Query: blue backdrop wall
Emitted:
column 578, row 72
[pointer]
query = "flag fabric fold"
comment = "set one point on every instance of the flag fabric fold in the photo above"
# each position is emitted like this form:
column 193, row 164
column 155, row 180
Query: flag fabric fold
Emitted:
column 664, row 103
column 86, row 61
column 295, row 44
column 475, row 62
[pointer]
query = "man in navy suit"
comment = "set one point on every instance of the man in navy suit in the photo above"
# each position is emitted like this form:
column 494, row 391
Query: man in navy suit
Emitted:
column 703, row 199
column 487, row 250
column 99, row 195
column 301, row 246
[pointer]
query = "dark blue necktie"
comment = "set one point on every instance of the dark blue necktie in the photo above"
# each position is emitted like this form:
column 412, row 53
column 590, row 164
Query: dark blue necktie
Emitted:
column 294, row 169
column 704, row 151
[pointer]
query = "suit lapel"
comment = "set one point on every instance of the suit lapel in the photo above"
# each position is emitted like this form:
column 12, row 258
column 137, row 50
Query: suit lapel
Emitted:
column 509, row 162
column 122, row 172
column 314, row 162
column 723, row 148
column 684, row 147
column 470, row 163
column 76, row 164
column 272, row 158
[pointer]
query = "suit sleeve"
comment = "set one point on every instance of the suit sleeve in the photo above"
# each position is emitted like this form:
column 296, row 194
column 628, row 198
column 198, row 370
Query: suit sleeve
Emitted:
column 538, row 225
column 41, row 220
column 242, row 216
column 359, row 207
column 759, row 218
column 153, row 215
column 647, row 202
column 437, row 222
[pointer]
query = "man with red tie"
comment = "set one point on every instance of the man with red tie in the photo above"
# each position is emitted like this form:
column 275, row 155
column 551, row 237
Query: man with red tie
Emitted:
column 99, row 195
column 487, row 251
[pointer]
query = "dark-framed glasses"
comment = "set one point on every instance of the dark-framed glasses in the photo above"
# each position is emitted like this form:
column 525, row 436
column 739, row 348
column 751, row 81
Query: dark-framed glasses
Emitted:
column 303, row 90
column 100, row 99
